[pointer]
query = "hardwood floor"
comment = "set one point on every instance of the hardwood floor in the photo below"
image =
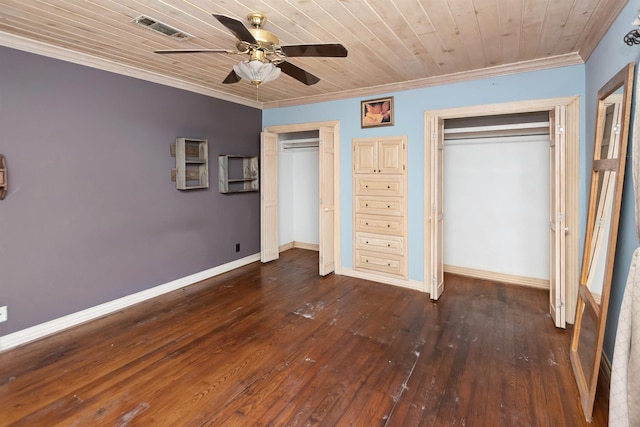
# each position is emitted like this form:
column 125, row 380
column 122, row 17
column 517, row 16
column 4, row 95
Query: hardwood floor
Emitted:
column 278, row 345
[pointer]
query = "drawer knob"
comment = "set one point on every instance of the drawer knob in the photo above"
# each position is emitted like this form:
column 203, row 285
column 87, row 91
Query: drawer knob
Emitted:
column 367, row 242
column 389, row 264
column 366, row 186
column 388, row 225
column 388, row 206
column 388, row 186
column 366, row 260
column 366, row 204
column 388, row 245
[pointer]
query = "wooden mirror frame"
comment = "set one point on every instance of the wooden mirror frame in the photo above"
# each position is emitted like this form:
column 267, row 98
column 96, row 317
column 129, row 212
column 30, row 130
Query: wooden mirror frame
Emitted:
column 591, row 312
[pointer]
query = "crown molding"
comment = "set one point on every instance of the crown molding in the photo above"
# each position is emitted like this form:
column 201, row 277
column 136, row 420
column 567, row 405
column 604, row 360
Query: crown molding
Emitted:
column 500, row 70
column 593, row 34
column 64, row 54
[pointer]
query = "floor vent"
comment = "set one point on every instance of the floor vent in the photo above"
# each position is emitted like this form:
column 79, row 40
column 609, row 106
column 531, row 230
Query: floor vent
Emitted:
column 160, row 27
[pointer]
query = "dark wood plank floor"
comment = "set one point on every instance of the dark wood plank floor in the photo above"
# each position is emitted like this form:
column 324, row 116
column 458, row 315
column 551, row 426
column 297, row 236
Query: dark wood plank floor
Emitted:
column 278, row 345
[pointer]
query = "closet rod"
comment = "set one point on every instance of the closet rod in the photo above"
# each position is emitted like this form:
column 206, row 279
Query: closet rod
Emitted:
column 301, row 143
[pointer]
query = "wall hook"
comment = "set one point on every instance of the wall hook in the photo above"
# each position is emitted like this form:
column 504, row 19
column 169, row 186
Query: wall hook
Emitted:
column 3, row 177
column 633, row 36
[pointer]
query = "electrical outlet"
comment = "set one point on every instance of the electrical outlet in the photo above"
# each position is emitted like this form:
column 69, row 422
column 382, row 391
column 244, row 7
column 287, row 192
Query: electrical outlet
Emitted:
column 3, row 314
column 237, row 247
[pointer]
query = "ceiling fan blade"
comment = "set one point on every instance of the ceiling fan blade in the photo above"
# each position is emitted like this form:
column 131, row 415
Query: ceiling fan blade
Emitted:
column 231, row 78
column 328, row 50
column 165, row 51
column 298, row 73
column 237, row 28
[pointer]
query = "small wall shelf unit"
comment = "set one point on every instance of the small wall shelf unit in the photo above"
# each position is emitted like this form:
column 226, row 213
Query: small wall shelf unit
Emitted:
column 192, row 163
column 237, row 174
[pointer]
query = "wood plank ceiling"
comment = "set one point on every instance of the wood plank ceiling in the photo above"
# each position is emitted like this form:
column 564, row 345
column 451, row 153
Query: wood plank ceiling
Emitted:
column 392, row 44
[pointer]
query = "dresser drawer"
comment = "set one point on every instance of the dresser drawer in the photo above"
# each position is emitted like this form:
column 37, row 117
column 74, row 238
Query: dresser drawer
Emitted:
column 378, row 243
column 392, row 264
column 379, row 185
column 380, row 205
column 380, row 224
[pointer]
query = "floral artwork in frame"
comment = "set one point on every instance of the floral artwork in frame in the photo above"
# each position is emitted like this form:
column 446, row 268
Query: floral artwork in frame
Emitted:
column 376, row 112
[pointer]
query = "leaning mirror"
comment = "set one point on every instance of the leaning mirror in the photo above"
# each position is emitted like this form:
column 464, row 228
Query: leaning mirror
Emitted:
column 607, row 175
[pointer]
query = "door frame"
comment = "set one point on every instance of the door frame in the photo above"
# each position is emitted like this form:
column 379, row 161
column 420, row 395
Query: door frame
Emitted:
column 313, row 126
column 572, row 140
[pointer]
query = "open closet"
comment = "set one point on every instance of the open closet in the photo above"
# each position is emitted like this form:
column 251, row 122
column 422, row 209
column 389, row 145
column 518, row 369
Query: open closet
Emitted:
column 512, row 175
column 299, row 182
column 299, row 190
column 496, row 193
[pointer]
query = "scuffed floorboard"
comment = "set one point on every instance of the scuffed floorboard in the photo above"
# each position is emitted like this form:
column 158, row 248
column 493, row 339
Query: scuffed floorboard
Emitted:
column 277, row 345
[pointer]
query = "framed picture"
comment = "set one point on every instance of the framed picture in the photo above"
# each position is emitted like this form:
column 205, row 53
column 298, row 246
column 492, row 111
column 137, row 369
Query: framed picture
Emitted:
column 376, row 112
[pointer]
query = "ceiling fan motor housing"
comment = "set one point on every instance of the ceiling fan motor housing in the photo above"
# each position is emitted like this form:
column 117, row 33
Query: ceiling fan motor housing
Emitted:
column 268, row 43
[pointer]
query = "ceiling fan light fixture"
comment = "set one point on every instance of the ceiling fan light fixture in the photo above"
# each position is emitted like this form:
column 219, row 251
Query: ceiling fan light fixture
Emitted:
column 257, row 72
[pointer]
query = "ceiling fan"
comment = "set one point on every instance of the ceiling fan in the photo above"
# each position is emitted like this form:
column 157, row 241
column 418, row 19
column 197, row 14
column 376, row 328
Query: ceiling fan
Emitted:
column 267, row 58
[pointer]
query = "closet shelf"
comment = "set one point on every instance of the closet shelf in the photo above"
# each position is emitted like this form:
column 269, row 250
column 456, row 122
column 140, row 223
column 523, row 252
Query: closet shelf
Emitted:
column 300, row 143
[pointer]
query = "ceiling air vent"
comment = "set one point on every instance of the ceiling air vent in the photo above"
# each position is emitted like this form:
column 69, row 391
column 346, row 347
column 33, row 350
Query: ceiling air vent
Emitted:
column 161, row 27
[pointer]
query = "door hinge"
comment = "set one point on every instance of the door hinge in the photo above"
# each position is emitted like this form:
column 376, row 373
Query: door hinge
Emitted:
column 434, row 136
column 559, row 129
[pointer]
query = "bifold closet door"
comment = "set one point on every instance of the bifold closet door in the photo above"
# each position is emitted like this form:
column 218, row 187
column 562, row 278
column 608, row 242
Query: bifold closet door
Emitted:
column 327, row 201
column 269, row 249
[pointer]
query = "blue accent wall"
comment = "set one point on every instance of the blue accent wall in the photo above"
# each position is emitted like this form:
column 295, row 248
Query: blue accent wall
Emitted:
column 609, row 57
column 410, row 106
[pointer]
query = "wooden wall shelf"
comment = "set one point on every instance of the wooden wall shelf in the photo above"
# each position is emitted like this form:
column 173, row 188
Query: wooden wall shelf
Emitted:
column 192, row 163
column 237, row 174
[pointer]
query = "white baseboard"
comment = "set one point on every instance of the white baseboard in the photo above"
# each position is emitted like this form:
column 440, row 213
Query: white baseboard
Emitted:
column 498, row 277
column 56, row 325
column 403, row 283
column 300, row 245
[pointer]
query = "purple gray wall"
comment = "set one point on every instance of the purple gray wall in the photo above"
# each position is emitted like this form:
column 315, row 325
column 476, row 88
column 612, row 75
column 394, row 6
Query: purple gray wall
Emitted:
column 91, row 214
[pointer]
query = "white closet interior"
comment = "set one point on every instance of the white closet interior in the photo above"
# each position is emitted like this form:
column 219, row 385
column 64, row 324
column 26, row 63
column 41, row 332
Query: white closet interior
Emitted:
column 298, row 189
column 496, row 194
